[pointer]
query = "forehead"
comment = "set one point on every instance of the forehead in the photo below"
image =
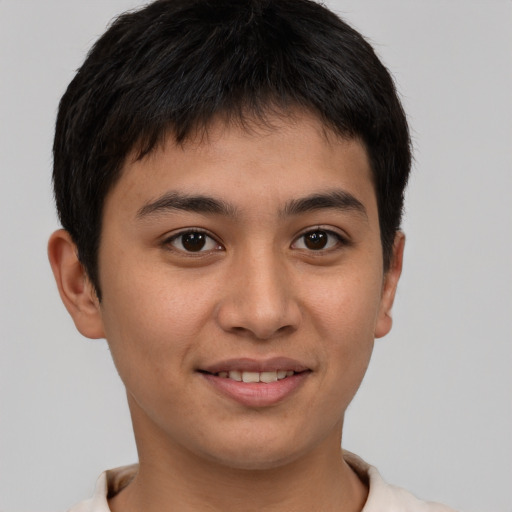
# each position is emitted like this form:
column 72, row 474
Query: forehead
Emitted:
column 260, row 164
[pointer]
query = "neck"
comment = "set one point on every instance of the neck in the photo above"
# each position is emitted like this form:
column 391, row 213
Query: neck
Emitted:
column 172, row 478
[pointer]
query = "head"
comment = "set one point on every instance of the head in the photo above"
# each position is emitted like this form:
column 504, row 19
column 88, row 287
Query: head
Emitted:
column 230, row 175
column 176, row 66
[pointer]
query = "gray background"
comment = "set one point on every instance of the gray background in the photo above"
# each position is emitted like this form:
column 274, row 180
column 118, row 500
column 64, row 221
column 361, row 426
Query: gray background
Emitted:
column 435, row 411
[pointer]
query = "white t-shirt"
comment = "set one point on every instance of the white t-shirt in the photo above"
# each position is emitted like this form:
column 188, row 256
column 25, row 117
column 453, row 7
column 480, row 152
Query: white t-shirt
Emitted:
column 382, row 497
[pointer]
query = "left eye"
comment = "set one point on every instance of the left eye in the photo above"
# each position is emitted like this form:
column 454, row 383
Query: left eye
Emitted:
column 317, row 240
column 193, row 241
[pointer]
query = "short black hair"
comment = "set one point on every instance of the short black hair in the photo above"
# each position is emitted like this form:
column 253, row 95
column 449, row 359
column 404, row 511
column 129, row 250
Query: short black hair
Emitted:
column 174, row 66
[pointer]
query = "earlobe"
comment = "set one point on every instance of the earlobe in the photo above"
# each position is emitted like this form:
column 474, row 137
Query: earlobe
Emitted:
column 384, row 319
column 75, row 289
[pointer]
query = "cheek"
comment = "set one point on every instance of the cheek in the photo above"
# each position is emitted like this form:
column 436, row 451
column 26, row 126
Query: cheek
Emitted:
column 153, row 319
column 344, row 313
column 345, row 306
column 153, row 327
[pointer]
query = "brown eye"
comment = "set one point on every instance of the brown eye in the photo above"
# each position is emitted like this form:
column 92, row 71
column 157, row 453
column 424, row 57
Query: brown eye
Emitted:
column 194, row 241
column 317, row 240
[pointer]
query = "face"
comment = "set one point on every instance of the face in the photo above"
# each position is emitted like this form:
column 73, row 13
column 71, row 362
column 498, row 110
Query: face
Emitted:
column 243, row 288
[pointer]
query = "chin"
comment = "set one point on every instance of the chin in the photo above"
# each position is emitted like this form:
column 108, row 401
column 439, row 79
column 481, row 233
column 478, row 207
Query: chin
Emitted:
column 258, row 455
column 252, row 462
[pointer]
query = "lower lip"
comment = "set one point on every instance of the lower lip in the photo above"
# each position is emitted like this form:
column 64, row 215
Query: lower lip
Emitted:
column 257, row 394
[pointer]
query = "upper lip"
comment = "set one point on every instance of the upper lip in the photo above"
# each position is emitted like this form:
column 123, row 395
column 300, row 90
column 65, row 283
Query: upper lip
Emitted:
column 246, row 364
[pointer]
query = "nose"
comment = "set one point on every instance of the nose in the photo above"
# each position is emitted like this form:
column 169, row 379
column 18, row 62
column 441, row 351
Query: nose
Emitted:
column 259, row 300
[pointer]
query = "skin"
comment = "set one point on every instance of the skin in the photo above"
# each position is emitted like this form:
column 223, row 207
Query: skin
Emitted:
column 256, row 291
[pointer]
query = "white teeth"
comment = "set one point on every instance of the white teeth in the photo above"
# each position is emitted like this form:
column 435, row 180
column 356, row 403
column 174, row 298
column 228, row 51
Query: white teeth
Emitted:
column 265, row 377
column 250, row 376
column 235, row 375
column 268, row 377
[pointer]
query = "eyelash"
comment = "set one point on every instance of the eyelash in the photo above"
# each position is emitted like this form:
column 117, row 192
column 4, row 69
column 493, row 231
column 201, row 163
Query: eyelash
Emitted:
column 340, row 240
column 168, row 242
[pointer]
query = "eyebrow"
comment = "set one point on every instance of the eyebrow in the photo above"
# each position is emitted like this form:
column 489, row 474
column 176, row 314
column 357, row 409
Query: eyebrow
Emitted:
column 337, row 199
column 190, row 203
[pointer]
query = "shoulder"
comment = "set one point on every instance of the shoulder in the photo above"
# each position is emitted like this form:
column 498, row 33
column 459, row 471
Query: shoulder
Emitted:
column 383, row 497
column 108, row 485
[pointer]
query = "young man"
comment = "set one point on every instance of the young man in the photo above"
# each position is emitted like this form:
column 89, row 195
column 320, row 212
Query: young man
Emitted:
column 229, row 176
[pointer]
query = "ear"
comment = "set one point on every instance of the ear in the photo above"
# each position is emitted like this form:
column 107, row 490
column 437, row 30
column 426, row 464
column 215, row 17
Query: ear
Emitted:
column 384, row 319
column 76, row 290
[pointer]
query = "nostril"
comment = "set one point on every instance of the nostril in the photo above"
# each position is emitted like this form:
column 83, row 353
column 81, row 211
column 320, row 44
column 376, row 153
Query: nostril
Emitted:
column 269, row 316
column 262, row 333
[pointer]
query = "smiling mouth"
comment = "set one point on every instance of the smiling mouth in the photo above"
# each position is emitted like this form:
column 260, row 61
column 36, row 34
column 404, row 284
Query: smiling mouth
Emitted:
column 254, row 383
column 254, row 377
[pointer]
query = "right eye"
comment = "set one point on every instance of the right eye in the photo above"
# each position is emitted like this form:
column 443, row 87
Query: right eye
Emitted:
column 193, row 242
column 319, row 240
